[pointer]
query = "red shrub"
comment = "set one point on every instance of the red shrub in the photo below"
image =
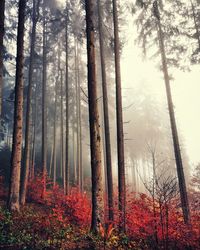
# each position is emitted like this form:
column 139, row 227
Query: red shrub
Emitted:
column 74, row 208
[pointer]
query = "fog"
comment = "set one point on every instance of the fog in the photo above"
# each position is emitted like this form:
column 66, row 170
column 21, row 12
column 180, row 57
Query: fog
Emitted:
column 146, row 118
column 185, row 90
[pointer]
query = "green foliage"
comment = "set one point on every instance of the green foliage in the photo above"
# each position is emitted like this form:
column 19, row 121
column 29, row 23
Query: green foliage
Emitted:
column 31, row 229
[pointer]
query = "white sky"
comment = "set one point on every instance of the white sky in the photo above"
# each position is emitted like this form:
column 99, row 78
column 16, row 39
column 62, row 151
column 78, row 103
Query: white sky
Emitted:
column 185, row 90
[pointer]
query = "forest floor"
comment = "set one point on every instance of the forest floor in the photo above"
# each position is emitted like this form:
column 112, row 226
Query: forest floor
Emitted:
column 63, row 222
column 35, row 227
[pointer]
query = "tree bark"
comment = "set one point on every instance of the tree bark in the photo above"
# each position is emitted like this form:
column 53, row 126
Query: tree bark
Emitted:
column 25, row 170
column 67, row 104
column 95, row 139
column 44, row 108
column 32, row 175
column 74, row 153
column 2, row 16
column 177, row 151
column 119, row 115
column 106, row 117
column 55, row 135
column 77, row 114
column 62, row 133
column 80, row 123
column 51, row 161
column 13, row 199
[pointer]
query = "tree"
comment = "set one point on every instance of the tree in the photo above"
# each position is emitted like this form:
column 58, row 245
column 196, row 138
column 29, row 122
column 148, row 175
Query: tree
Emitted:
column 55, row 133
column 160, row 29
column 106, row 116
column 26, row 162
column 35, row 119
column 44, row 103
column 79, row 125
column 177, row 152
column 67, row 101
column 95, row 139
column 196, row 19
column 2, row 9
column 77, row 89
column 119, row 115
column 62, row 133
column 13, row 199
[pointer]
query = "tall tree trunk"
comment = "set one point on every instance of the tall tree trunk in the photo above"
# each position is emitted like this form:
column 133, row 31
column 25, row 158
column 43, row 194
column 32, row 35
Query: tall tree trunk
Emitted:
column 32, row 175
column 106, row 116
column 25, row 170
column 55, row 135
column 80, row 123
column 44, row 108
column 119, row 115
column 61, row 118
column 31, row 145
column 95, row 139
column 13, row 199
column 62, row 133
column 51, row 161
column 74, row 153
column 2, row 16
column 77, row 114
column 105, row 185
column 67, row 103
column 177, row 151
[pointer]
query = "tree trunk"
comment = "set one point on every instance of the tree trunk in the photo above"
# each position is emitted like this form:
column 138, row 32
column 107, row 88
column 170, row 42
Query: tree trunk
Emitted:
column 104, row 174
column 51, row 161
column 177, row 152
column 106, row 116
column 13, row 199
column 67, row 105
column 95, row 139
column 2, row 9
column 62, row 133
column 77, row 114
column 44, row 108
column 25, row 170
column 119, row 115
column 55, row 135
column 74, row 153
column 80, row 123
column 32, row 175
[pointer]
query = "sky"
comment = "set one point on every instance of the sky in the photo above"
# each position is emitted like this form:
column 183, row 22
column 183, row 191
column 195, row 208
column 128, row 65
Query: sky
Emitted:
column 185, row 90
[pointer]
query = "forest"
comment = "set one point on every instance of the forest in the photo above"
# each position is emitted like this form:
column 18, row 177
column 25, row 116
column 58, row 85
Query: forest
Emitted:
column 95, row 147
